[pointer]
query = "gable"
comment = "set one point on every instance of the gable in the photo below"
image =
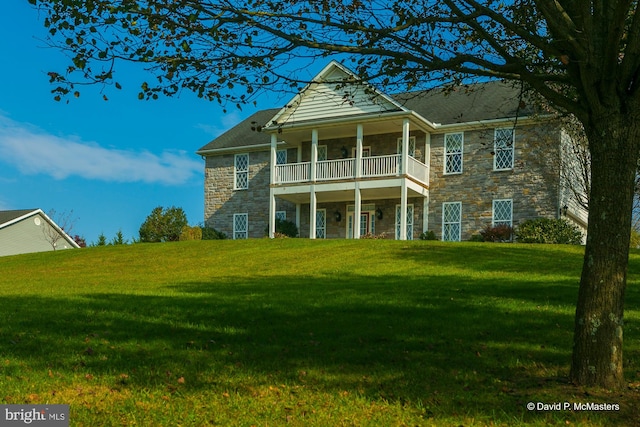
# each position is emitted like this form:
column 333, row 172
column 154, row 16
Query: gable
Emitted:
column 28, row 230
column 9, row 217
column 335, row 92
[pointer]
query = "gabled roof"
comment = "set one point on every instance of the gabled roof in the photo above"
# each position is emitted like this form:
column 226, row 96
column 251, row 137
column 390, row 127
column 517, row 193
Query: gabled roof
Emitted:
column 468, row 103
column 8, row 218
column 335, row 92
column 242, row 135
column 329, row 96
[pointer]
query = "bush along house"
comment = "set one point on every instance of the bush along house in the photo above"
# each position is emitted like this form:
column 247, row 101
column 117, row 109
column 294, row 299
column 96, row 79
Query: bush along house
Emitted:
column 344, row 160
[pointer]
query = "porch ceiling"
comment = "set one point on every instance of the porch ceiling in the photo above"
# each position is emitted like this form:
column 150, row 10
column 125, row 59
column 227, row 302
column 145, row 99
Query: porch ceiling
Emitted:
column 343, row 128
column 347, row 195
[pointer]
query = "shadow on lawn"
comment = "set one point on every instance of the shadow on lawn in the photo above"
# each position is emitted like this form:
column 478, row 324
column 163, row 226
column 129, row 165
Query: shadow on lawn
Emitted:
column 446, row 343
column 385, row 339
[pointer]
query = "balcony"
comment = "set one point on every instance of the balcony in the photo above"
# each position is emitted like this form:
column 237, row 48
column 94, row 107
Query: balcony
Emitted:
column 388, row 166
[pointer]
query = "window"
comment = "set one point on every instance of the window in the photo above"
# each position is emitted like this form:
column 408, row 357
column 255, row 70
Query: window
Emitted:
column 453, row 144
column 367, row 219
column 366, row 151
column 240, row 226
column 451, row 219
column 503, row 149
column 502, row 212
column 321, row 224
column 281, row 215
column 409, row 221
column 412, row 146
column 281, row 157
column 241, row 172
column 322, row 153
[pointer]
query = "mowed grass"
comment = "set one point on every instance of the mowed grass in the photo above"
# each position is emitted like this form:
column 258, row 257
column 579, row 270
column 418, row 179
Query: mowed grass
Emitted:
column 298, row 332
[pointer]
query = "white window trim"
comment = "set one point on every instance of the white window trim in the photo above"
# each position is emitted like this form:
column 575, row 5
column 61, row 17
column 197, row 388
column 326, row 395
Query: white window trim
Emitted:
column 236, row 172
column 246, row 230
column 444, row 223
column 282, row 215
column 493, row 211
column 365, row 149
column 281, row 153
column 444, row 166
column 323, row 229
column 495, row 148
column 322, row 148
column 368, row 208
column 410, row 224
column 412, row 146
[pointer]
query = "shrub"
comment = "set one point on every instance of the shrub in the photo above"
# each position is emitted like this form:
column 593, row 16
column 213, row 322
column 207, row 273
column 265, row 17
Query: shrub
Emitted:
column 372, row 236
column 118, row 239
column 209, row 233
column 428, row 235
column 546, row 230
column 476, row 238
column 498, row 233
column 80, row 241
column 163, row 225
column 102, row 240
column 191, row 233
column 284, row 227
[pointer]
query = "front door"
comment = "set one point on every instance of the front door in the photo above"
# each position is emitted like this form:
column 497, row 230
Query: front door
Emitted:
column 367, row 221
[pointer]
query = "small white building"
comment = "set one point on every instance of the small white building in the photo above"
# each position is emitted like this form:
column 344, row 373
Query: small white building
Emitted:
column 31, row 230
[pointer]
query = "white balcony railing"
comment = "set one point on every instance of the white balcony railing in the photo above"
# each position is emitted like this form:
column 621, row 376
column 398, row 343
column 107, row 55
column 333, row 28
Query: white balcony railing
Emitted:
column 291, row 173
column 327, row 170
column 372, row 167
column 418, row 170
column 380, row 165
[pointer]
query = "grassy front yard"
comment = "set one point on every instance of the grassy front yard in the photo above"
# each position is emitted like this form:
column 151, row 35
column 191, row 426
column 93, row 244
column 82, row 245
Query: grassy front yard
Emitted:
column 299, row 332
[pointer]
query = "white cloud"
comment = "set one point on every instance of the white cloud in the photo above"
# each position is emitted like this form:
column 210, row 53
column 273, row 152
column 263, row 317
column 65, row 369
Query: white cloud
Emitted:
column 33, row 151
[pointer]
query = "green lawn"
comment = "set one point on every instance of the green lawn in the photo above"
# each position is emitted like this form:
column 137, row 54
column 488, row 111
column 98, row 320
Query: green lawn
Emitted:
column 299, row 332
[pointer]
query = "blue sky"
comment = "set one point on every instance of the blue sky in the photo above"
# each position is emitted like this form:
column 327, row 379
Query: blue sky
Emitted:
column 110, row 162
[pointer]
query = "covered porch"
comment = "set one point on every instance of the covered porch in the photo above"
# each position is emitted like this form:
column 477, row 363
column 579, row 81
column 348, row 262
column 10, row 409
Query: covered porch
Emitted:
column 352, row 180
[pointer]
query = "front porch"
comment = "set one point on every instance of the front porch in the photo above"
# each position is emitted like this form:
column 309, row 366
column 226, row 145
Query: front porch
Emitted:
column 398, row 176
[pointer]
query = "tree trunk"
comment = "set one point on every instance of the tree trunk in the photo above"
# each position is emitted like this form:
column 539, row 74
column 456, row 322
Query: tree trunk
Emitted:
column 597, row 352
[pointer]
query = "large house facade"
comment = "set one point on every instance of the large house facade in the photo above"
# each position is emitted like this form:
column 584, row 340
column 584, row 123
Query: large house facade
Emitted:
column 344, row 160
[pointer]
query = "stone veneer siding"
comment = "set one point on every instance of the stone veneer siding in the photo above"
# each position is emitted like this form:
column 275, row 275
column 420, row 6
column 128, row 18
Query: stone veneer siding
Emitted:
column 531, row 184
column 222, row 201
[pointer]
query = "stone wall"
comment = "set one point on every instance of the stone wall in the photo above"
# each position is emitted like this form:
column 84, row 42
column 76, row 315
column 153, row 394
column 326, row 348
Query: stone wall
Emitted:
column 381, row 145
column 532, row 184
column 222, row 201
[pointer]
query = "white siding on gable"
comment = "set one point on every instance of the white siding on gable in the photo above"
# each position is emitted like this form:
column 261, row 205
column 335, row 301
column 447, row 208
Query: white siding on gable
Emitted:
column 332, row 98
column 31, row 234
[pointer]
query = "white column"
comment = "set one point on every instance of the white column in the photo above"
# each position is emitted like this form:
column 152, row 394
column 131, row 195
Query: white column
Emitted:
column 405, row 146
column 313, row 203
column 359, row 138
column 425, row 214
column 403, row 187
column 313, row 207
column 272, row 180
column 314, row 154
column 358, row 195
column 403, row 209
column 357, row 212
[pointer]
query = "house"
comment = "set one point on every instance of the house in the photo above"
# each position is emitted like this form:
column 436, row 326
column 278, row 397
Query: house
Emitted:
column 31, row 230
column 344, row 160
